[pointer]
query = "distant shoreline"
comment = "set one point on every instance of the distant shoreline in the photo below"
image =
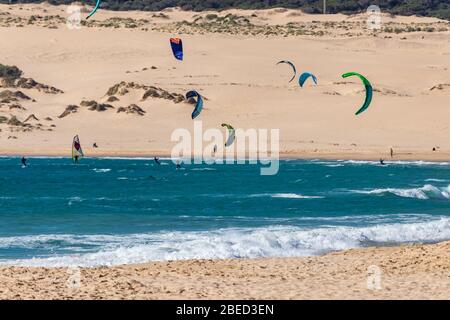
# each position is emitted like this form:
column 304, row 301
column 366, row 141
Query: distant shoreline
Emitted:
column 332, row 156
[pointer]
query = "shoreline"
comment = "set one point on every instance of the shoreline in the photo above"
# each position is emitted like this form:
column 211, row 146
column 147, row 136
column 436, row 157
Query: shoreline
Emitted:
column 413, row 271
column 333, row 156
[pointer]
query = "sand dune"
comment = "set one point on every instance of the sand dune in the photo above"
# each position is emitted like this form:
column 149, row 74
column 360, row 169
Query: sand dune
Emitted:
column 230, row 57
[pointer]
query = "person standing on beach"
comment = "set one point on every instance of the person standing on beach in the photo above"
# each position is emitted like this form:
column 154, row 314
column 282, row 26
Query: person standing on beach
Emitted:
column 392, row 153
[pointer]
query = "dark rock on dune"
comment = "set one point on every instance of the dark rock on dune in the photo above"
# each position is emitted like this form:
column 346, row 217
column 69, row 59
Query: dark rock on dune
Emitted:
column 11, row 77
column 29, row 83
column 3, row 119
column 123, row 88
column 16, row 106
column 70, row 109
column 115, row 89
column 95, row 106
column 7, row 96
column 154, row 92
column 48, row 119
column 132, row 109
column 88, row 103
column 12, row 137
column 154, row 68
column 441, row 86
column 31, row 117
column 112, row 99
column 13, row 121
column 9, row 74
column 102, row 107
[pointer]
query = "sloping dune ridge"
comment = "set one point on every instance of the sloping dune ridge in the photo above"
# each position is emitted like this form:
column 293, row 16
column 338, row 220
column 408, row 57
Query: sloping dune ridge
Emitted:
column 230, row 57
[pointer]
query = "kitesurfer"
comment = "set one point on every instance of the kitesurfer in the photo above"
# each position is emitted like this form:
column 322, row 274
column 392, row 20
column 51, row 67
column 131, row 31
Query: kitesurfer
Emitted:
column 156, row 160
column 24, row 161
column 382, row 162
column 75, row 158
column 178, row 165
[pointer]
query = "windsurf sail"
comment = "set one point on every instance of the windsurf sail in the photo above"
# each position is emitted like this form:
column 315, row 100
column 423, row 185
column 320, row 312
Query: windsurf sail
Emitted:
column 77, row 152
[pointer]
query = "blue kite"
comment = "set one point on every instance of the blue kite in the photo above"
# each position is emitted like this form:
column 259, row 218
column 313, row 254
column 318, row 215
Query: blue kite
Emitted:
column 304, row 76
column 198, row 105
column 177, row 48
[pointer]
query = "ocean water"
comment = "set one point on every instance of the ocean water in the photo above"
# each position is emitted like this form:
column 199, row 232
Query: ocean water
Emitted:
column 117, row 211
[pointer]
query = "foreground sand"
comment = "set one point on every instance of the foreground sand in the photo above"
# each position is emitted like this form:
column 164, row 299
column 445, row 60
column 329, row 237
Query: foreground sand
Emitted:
column 234, row 66
column 407, row 272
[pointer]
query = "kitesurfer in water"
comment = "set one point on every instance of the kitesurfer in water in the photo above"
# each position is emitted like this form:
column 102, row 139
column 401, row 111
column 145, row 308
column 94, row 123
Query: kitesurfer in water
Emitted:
column 24, row 161
column 76, row 159
column 178, row 165
column 382, row 162
column 156, row 160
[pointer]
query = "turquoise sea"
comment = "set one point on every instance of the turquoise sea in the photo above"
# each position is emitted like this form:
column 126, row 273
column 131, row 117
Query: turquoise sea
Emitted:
column 106, row 211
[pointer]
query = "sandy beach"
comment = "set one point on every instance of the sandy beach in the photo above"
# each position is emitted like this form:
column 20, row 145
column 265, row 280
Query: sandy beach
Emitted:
column 405, row 272
column 231, row 59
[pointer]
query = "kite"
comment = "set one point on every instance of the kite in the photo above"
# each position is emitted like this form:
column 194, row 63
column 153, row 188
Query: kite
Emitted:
column 231, row 134
column 369, row 90
column 97, row 5
column 293, row 67
column 198, row 105
column 304, row 76
column 177, row 48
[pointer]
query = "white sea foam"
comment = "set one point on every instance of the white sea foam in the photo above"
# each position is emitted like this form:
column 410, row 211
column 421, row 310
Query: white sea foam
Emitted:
column 284, row 195
column 101, row 170
column 426, row 192
column 293, row 196
column 282, row 241
column 395, row 162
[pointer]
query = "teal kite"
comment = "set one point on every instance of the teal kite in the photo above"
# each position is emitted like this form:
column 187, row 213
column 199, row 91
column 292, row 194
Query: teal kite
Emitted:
column 97, row 5
column 304, row 76
column 369, row 90
column 198, row 103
